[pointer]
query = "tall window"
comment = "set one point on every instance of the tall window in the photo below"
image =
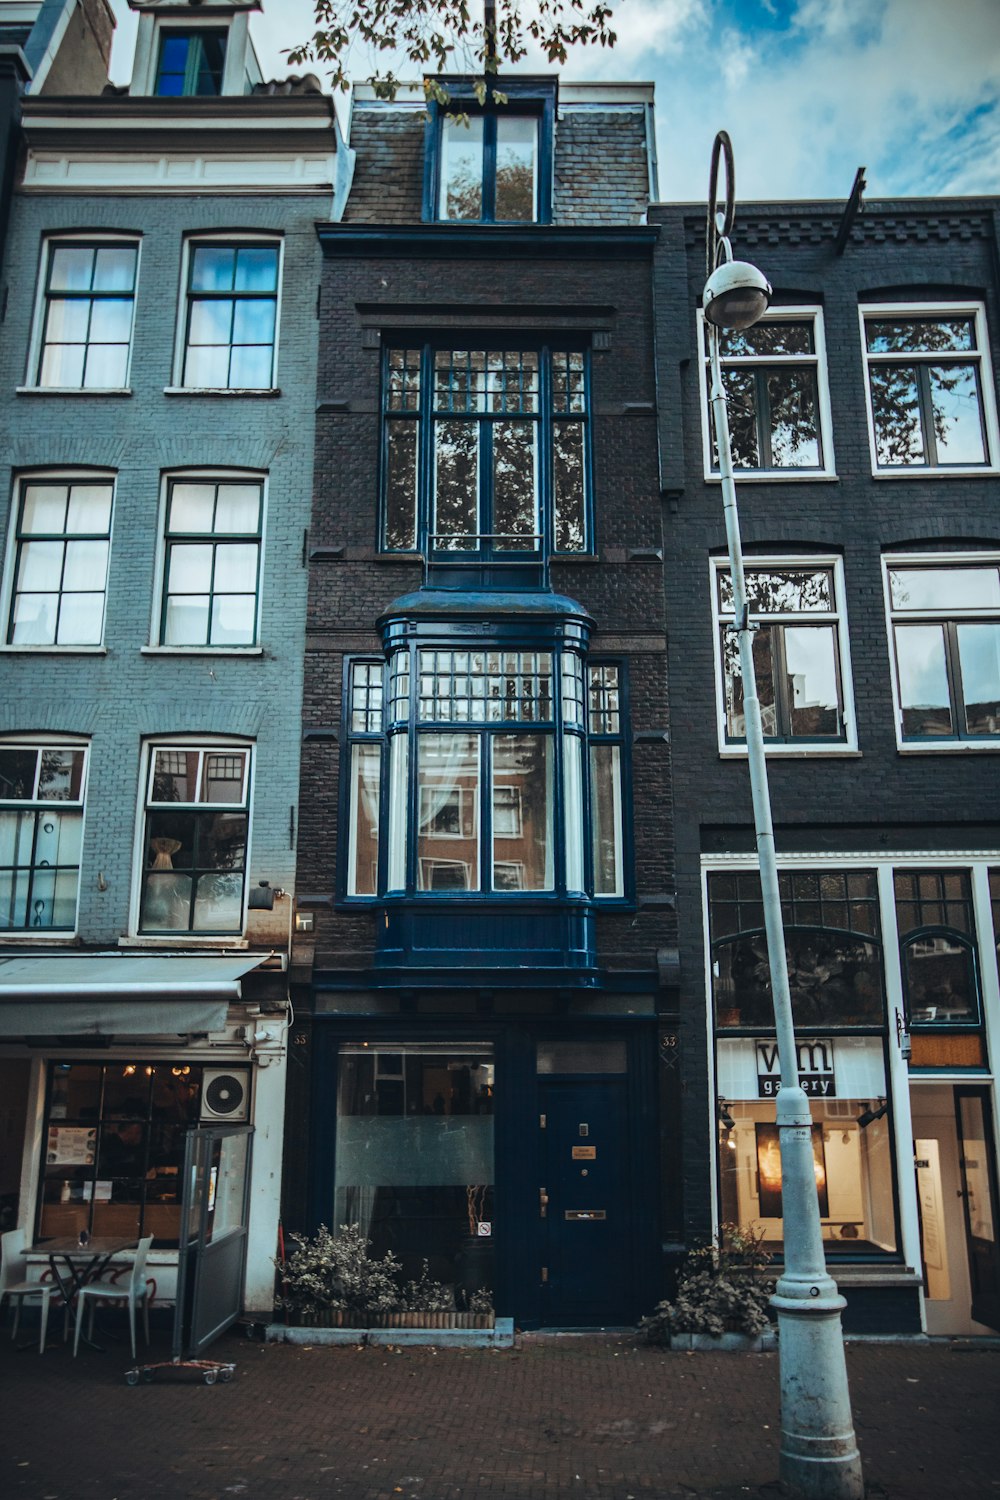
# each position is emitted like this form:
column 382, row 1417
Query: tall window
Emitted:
column 486, row 450
column 211, row 563
column 85, row 320
column 488, row 781
column 930, row 389
column 62, row 536
column 798, row 649
column 231, row 316
column 195, row 840
column 191, row 62
column 776, row 394
column 936, row 921
column 489, row 169
column 945, row 623
column 41, row 831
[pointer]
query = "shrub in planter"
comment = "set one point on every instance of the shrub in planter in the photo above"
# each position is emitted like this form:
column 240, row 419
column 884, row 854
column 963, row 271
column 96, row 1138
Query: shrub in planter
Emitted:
column 721, row 1289
column 324, row 1275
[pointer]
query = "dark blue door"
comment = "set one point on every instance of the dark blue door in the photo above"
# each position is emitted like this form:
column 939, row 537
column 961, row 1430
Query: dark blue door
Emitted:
column 584, row 1202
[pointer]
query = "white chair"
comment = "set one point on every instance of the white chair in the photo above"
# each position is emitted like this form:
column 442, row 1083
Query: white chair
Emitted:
column 12, row 1245
column 131, row 1292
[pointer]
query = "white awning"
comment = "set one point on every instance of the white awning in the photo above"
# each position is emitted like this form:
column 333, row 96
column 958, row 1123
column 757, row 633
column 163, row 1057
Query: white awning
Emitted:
column 108, row 994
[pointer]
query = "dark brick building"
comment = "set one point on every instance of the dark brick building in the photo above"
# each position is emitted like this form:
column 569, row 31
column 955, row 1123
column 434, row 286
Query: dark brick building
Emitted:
column 485, row 940
column 865, row 436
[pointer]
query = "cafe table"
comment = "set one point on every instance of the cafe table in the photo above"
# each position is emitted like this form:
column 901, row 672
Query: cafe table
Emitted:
column 74, row 1265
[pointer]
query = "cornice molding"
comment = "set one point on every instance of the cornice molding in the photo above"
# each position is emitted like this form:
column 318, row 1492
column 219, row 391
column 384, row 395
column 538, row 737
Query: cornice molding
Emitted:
column 487, row 241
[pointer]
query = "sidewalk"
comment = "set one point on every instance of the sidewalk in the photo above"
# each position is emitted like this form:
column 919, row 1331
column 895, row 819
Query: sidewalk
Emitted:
column 594, row 1417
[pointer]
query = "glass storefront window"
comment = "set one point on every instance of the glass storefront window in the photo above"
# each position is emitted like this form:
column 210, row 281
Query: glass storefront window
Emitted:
column 114, row 1148
column 414, row 1156
column 852, row 1141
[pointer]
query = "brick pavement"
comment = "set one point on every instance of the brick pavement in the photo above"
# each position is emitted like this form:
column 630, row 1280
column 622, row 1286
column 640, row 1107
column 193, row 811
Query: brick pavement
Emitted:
column 589, row 1417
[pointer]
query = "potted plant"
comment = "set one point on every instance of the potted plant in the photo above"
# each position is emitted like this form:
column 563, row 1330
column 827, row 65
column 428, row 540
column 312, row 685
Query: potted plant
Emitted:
column 722, row 1297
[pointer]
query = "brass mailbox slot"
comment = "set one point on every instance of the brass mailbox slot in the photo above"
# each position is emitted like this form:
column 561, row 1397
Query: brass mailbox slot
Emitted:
column 585, row 1213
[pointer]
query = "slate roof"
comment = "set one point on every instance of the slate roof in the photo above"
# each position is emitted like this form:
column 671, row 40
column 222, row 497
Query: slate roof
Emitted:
column 601, row 175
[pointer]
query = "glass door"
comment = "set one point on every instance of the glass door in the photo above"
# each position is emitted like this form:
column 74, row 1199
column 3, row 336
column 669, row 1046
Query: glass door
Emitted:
column 213, row 1239
column 979, row 1192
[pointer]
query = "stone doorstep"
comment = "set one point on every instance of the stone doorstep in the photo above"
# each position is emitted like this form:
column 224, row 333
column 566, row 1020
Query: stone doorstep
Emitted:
column 501, row 1336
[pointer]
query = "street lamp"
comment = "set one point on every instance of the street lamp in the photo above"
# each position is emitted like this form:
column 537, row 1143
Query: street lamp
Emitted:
column 819, row 1453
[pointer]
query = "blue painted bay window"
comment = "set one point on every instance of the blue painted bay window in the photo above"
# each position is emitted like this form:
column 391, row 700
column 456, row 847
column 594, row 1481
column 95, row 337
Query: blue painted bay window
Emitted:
column 487, row 772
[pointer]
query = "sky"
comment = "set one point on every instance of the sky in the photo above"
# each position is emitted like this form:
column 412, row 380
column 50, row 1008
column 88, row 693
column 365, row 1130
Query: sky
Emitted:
column 809, row 90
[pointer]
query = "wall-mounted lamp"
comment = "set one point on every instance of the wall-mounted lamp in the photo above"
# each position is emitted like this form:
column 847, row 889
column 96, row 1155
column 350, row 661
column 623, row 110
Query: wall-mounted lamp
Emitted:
column 869, row 1116
column 725, row 1118
column 263, row 896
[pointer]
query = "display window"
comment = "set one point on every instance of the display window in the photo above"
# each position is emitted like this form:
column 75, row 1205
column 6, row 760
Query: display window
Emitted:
column 113, row 1148
column 414, row 1156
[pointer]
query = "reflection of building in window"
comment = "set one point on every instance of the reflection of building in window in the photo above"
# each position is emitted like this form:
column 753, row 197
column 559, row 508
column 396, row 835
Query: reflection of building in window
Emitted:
column 195, row 841
column 936, row 922
column 930, row 392
column 797, row 650
column 945, row 626
column 488, row 168
column 444, row 875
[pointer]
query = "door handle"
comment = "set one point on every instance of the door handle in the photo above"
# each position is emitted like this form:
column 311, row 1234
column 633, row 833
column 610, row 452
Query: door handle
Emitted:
column 543, row 1203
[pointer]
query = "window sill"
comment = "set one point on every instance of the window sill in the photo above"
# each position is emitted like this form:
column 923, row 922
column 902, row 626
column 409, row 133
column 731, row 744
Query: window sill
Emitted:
column 981, row 471
column 72, row 390
column 35, row 939
column 185, row 940
column 256, row 392
column 794, row 752
column 53, row 650
column 777, row 476
column 951, row 747
column 201, row 650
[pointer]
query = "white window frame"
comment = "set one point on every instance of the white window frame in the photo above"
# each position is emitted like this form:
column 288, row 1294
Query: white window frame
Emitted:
column 810, row 312
column 212, row 744
column 50, row 243
column 50, row 476
column 931, row 310
column 36, row 935
column 239, row 237
column 837, row 617
column 930, row 560
column 206, row 476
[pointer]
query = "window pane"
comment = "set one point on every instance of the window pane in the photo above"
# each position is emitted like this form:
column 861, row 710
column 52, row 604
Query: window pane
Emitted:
column 764, row 673
column 399, row 759
column 958, row 426
column 918, row 335
column 401, row 486
column 456, row 487
column 448, row 799
column 111, row 320
column 924, row 698
column 945, row 588
column 812, row 685
column 106, row 367
column 212, row 268
column 362, row 868
column 523, row 812
column 515, row 168
column 238, row 508
column 257, row 270
column 81, row 620
column 233, row 620
column 896, row 415
column 218, row 904
column 71, row 268
column 189, row 569
column 461, row 170
column 67, row 321
column 569, row 486
column 835, row 980
column 254, row 320
column 85, row 565
column 940, row 977
column 781, row 591
column 186, row 620
column 207, row 368
column 211, row 322
column 741, row 406
column 606, row 820
column 768, row 338
column 251, row 368
column 17, row 774
column 34, row 620
column 223, row 776
column 89, row 508
column 792, row 396
column 41, row 566
column 175, row 776
column 44, row 508
column 114, row 268
column 573, row 810
column 515, row 485
column 979, row 654
column 191, row 507
column 62, row 365
column 236, row 568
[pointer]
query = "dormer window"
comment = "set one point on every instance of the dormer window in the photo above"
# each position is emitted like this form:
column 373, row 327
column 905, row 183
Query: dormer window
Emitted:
column 491, row 164
column 191, row 63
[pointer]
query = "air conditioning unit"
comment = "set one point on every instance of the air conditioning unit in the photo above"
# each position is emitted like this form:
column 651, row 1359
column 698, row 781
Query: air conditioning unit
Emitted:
column 225, row 1094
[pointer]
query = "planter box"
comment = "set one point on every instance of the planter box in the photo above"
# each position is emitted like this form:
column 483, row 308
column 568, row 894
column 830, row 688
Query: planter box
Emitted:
column 499, row 1334
column 726, row 1343
column 335, row 1318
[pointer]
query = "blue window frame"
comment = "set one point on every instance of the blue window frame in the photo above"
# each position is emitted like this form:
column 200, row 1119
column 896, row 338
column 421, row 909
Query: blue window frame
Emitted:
column 191, row 63
column 476, row 771
column 491, row 163
column 486, row 450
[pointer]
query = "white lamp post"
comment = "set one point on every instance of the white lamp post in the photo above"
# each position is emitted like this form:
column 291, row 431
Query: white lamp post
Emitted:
column 819, row 1453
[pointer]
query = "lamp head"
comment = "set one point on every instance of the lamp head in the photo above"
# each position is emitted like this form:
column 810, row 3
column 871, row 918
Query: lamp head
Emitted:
column 736, row 295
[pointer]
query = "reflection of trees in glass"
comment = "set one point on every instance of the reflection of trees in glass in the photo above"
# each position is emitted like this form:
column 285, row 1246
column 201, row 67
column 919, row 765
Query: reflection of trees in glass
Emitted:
column 568, row 485
column 464, row 198
column 514, row 485
column 835, row 979
column 515, row 191
column 773, row 409
column 457, row 482
column 907, row 396
column 779, row 591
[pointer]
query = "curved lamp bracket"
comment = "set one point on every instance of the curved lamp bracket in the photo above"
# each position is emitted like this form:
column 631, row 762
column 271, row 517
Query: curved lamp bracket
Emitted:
column 720, row 221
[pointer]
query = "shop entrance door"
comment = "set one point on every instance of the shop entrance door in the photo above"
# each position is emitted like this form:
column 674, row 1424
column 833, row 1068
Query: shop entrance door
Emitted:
column 212, row 1255
column 584, row 1202
column 979, row 1193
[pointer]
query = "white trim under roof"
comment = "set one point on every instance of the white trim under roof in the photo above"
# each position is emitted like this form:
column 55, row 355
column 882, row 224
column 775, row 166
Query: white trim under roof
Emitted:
column 65, row 171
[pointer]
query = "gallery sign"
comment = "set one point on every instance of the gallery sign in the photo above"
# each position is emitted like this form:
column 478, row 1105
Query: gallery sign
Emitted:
column 816, row 1073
